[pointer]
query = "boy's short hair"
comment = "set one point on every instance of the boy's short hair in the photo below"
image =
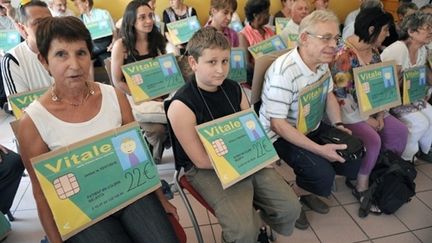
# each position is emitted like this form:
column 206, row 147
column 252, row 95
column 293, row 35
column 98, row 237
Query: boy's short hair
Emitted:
column 206, row 38
column 223, row 4
column 67, row 29
column 22, row 14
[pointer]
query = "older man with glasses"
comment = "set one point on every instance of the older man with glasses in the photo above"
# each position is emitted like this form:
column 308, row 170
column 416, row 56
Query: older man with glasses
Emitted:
column 315, row 165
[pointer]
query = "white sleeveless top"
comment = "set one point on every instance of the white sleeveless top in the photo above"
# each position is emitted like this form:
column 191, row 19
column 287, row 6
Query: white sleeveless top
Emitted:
column 57, row 133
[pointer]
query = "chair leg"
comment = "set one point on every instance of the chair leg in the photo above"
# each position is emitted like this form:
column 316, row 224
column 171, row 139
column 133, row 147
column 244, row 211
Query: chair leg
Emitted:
column 10, row 216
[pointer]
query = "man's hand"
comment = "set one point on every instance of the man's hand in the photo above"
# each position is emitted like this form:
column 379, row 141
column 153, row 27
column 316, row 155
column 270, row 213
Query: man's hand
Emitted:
column 4, row 150
column 328, row 151
column 344, row 129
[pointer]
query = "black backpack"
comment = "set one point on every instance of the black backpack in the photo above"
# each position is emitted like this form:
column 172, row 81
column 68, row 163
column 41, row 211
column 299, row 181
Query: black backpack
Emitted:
column 391, row 184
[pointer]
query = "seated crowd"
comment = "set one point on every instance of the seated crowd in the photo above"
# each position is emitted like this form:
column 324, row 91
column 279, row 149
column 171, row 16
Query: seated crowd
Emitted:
column 58, row 53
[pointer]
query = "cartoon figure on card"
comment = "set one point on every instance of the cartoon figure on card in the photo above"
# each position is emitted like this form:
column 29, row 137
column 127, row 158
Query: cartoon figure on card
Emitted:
column 129, row 151
column 251, row 127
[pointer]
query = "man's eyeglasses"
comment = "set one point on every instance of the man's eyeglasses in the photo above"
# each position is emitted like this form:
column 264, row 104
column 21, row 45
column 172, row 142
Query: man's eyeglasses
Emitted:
column 327, row 38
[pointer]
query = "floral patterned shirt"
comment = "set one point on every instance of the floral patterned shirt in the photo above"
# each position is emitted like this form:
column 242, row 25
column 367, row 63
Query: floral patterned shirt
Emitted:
column 342, row 71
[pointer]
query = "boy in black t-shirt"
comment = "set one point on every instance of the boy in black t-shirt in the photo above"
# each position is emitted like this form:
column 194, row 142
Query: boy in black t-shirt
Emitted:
column 208, row 96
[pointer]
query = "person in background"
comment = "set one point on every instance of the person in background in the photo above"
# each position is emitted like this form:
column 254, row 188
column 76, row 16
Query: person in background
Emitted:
column 220, row 17
column 257, row 14
column 410, row 51
column 90, row 14
column 176, row 11
column 76, row 108
column 21, row 69
column 405, row 9
column 285, row 12
column 350, row 18
column 6, row 23
column 378, row 130
column 300, row 9
column 59, row 8
column 10, row 10
column 348, row 29
column 321, row 4
column 140, row 40
column 210, row 95
column 11, row 170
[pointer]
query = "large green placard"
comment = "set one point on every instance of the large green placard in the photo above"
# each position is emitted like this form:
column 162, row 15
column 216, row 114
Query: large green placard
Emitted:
column 9, row 39
column 99, row 29
column 90, row 180
column 376, row 87
column 181, row 31
column 312, row 104
column 238, row 64
column 280, row 24
column 20, row 101
column 153, row 77
column 415, row 85
column 237, row 145
column 275, row 43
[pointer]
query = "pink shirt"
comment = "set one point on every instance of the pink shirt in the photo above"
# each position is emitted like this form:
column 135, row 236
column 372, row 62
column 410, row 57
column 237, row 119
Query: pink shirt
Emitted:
column 254, row 36
column 230, row 34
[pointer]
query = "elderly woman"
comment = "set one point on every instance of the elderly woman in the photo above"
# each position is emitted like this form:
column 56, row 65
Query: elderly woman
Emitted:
column 140, row 40
column 73, row 109
column 410, row 51
column 221, row 12
column 371, row 28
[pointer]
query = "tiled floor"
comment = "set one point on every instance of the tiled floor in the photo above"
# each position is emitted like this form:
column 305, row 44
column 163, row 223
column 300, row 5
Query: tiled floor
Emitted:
column 411, row 223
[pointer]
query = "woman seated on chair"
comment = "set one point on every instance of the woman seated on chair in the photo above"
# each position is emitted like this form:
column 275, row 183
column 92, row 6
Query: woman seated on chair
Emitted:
column 210, row 95
column 76, row 108
column 140, row 39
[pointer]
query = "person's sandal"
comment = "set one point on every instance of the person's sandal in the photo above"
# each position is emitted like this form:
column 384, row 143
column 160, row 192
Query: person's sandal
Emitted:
column 372, row 209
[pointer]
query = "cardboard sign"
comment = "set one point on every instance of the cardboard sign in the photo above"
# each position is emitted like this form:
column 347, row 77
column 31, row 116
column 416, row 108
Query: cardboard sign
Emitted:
column 415, row 85
column 376, row 87
column 100, row 29
column 181, row 31
column 237, row 145
column 20, row 101
column 90, row 180
column 9, row 39
column 280, row 24
column 153, row 77
column 238, row 64
column 236, row 26
column 292, row 40
column 275, row 43
column 312, row 104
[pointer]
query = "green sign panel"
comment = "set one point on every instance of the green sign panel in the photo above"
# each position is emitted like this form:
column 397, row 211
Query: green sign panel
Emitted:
column 312, row 104
column 415, row 85
column 275, row 43
column 376, row 87
column 20, row 101
column 280, row 24
column 181, row 31
column 92, row 179
column 9, row 39
column 99, row 29
column 237, row 145
column 153, row 77
column 238, row 64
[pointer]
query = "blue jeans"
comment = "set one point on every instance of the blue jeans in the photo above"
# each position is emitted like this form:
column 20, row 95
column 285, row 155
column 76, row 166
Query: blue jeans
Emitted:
column 143, row 221
column 313, row 172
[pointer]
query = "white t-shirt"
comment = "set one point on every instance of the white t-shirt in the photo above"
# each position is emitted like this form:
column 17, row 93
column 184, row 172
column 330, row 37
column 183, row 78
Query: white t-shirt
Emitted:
column 22, row 71
column 398, row 52
column 282, row 83
column 57, row 133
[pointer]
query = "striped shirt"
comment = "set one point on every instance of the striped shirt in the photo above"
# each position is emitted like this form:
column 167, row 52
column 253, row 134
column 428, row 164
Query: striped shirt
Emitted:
column 22, row 71
column 282, row 83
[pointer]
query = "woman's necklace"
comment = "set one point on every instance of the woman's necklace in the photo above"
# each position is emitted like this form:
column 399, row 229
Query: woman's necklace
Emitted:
column 56, row 98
